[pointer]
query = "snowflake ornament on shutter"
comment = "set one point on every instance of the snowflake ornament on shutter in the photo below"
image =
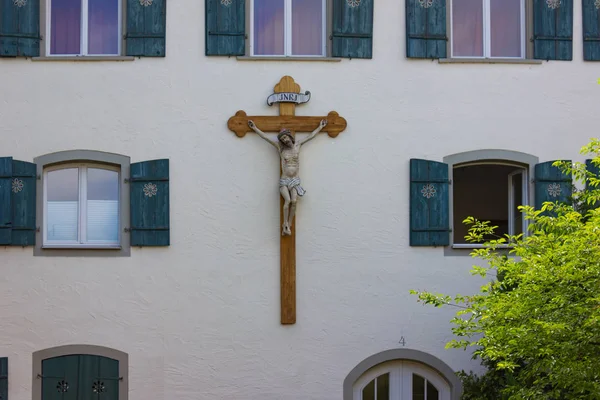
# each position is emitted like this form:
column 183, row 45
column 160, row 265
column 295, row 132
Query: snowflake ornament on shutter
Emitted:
column 353, row 3
column 150, row 190
column 20, row 3
column 553, row 4
column 425, row 3
column 597, row 4
column 17, row 185
column 226, row 3
column 554, row 190
column 146, row 3
column 428, row 191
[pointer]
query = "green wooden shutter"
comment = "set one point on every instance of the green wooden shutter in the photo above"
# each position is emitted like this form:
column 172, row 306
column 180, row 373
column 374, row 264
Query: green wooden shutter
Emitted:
column 5, row 200
column 551, row 184
column 4, row 378
column 60, row 378
column 19, row 28
column 352, row 33
column 429, row 203
column 591, row 31
column 426, row 29
column 553, row 30
column 146, row 28
column 594, row 169
column 225, row 28
column 23, row 203
column 108, row 376
column 98, row 378
column 149, row 186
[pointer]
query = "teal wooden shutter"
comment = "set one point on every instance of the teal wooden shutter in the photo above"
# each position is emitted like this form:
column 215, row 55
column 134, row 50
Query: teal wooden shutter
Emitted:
column 551, row 184
column 19, row 28
column 98, row 378
column 23, row 203
column 225, row 28
column 5, row 200
column 594, row 169
column 4, row 378
column 146, row 28
column 352, row 33
column 60, row 378
column 149, row 186
column 426, row 29
column 591, row 30
column 17, row 202
column 429, row 203
column 553, row 30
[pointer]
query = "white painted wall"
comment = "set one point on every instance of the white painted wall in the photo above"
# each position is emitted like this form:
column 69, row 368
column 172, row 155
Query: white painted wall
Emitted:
column 200, row 319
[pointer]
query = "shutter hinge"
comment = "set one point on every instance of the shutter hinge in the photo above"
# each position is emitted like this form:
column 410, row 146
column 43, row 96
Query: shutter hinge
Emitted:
column 125, row 180
column 38, row 177
column 126, row 230
column 37, row 228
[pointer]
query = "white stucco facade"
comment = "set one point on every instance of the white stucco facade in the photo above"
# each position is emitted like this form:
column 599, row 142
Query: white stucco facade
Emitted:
column 200, row 319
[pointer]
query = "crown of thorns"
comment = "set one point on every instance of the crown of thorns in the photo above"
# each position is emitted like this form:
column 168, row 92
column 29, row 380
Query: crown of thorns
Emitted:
column 285, row 132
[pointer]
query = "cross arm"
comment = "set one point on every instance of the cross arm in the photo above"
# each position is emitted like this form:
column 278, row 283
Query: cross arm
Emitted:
column 239, row 123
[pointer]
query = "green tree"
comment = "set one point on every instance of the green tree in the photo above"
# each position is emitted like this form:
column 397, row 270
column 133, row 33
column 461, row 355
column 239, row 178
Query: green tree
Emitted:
column 535, row 323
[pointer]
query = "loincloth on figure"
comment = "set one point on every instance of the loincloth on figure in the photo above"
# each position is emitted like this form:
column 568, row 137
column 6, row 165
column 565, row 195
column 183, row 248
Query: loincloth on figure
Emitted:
column 292, row 183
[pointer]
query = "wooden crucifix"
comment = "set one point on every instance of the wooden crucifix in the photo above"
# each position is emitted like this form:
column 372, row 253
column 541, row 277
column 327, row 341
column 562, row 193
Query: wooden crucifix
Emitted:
column 287, row 94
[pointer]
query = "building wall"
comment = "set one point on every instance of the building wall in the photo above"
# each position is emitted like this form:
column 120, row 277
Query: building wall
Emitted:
column 200, row 319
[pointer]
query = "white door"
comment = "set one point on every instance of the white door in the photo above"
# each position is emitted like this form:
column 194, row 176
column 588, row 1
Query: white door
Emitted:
column 401, row 380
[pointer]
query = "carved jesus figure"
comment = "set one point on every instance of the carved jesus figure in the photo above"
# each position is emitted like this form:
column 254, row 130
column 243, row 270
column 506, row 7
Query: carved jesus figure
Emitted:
column 289, row 183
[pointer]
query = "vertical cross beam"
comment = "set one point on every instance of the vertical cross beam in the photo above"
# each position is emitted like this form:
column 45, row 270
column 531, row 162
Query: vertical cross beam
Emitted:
column 288, row 243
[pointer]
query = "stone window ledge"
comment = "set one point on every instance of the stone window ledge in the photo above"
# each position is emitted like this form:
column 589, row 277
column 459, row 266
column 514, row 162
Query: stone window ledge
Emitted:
column 84, row 58
column 488, row 61
column 255, row 58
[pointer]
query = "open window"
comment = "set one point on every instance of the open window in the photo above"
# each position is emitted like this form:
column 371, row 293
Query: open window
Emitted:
column 489, row 191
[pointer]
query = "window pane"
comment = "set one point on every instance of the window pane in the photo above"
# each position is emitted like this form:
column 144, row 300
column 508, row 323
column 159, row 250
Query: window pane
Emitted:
column 517, row 184
column 467, row 28
column 63, row 204
column 383, row 387
column 505, row 28
column 268, row 27
column 103, row 26
column 65, row 22
column 307, row 27
column 418, row 387
column 102, row 205
column 432, row 392
column 369, row 391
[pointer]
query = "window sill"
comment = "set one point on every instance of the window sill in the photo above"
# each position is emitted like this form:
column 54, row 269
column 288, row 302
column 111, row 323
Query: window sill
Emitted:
column 82, row 247
column 478, row 246
column 257, row 58
column 84, row 58
column 489, row 61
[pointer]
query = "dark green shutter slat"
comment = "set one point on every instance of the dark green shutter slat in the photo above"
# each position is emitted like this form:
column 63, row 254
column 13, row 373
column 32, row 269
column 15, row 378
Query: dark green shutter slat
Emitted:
column 225, row 28
column 150, row 213
column 4, row 378
column 108, row 374
column 55, row 372
column 429, row 216
column 146, row 28
column 551, row 184
column 553, row 31
column 6, row 200
column 23, row 203
column 591, row 31
column 426, row 29
column 352, row 33
column 19, row 29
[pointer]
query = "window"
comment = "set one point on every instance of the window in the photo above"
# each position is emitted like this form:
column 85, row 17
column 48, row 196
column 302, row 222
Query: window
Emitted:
column 288, row 28
column 401, row 380
column 80, row 372
column 81, row 206
column 489, row 191
column 84, row 27
column 488, row 28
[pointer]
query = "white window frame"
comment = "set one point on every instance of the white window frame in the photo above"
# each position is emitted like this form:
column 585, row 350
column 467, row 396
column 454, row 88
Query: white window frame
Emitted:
column 82, row 210
column 83, row 45
column 510, row 203
column 287, row 32
column 401, row 379
column 487, row 37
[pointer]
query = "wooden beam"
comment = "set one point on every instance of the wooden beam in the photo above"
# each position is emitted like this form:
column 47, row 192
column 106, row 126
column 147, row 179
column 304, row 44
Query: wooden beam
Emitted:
column 239, row 123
